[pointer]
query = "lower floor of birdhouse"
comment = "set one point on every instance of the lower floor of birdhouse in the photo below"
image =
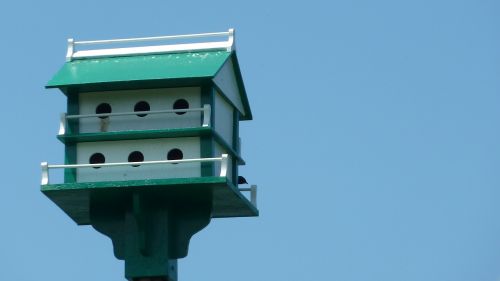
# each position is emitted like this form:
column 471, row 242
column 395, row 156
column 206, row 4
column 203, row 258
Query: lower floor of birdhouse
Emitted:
column 75, row 198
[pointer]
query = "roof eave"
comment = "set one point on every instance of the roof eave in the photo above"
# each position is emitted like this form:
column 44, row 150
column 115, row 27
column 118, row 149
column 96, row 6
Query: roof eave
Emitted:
column 131, row 85
column 241, row 86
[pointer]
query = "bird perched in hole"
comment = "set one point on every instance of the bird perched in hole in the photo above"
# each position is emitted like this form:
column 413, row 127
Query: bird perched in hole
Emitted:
column 242, row 180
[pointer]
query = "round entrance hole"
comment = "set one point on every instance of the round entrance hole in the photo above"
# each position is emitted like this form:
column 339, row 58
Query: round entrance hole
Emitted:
column 142, row 106
column 97, row 158
column 103, row 108
column 175, row 154
column 181, row 104
column 135, row 156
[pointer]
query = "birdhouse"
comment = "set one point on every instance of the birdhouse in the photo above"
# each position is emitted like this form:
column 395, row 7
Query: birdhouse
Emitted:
column 152, row 147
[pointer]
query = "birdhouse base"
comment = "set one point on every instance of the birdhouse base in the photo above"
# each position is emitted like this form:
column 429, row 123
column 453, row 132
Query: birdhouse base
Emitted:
column 74, row 198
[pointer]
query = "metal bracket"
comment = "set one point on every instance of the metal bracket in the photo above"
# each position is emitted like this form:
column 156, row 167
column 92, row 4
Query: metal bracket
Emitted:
column 224, row 165
column 71, row 49
column 207, row 111
column 45, row 173
column 253, row 194
column 62, row 124
column 231, row 40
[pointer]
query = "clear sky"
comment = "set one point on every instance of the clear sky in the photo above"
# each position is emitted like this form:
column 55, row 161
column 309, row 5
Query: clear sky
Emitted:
column 375, row 141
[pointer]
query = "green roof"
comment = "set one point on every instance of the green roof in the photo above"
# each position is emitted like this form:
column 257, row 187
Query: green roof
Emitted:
column 147, row 71
column 139, row 68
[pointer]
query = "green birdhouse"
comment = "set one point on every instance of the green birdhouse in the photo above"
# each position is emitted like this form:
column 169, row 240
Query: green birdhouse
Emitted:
column 152, row 144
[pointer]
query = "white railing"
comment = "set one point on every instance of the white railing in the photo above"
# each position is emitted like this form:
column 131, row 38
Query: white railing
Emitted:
column 184, row 47
column 206, row 109
column 224, row 160
column 253, row 194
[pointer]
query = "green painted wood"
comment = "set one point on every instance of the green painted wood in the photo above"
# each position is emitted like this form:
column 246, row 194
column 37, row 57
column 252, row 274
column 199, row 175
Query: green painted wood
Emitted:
column 207, row 142
column 134, row 183
column 241, row 86
column 70, row 158
column 208, row 135
column 146, row 72
column 139, row 68
column 150, row 230
column 135, row 134
column 73, row 108
column 234, row 145
column 244, row 98
column 75, row 198
column 220, row 140
column 135, row 85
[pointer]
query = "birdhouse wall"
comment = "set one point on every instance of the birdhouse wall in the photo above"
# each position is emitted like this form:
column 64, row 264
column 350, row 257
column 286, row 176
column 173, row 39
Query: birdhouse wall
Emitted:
column 224, row 122
column 227, row 82
column 151, row 149
column 140, row 100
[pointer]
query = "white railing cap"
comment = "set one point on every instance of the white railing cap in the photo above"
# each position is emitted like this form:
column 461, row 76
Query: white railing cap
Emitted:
column 227, row 45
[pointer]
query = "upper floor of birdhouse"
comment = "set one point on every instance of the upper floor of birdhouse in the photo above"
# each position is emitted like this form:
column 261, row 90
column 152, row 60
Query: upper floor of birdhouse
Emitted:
column 161, row 87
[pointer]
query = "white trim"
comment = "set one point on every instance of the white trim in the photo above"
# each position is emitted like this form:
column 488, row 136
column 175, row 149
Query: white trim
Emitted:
column 227, row 82
column 207, row 112
column 224, row 165
column 228, row 45
column 45, row 173
column 224, row 159
column 231, row 40
column 62, row 124
column 206, row 109
column 135, row 163
column 137, row 112
column 156, row 38
column 253, row 194
column 71, row 49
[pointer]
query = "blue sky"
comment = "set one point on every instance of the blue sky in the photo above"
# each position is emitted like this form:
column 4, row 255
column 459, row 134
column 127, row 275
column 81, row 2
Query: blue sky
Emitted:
column 375, row 142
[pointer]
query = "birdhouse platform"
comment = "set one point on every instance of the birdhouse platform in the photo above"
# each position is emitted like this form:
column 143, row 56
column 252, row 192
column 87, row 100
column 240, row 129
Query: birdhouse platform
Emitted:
column 75, row 199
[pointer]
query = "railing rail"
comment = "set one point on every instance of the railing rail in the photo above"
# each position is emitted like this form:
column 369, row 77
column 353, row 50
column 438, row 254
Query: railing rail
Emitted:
column 253, row 194
column 217, row 45
column 206, row 109
column 155, row 38
column 224, row 160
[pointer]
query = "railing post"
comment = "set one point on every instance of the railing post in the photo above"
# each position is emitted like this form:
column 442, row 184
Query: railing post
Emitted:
column 45, row 173
column 224, row 165
column 253, row 195
column 230, row 40
column 207, row 112
column 71, row 49
column 62, row 124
